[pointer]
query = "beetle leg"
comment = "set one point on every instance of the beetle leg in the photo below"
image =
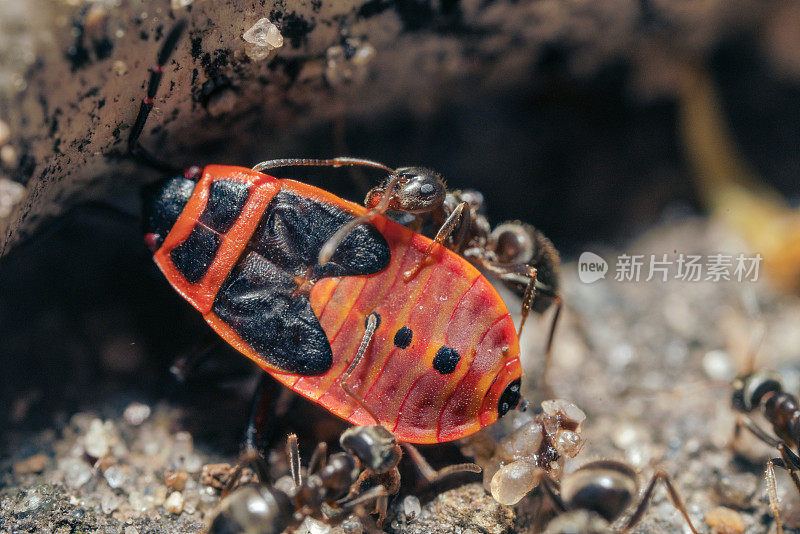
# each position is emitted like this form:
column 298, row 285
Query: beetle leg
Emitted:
column 187, row 363
column 371, row 326
column 459, row 216
column 674, row 497
column 265, row 409
column 432, row 475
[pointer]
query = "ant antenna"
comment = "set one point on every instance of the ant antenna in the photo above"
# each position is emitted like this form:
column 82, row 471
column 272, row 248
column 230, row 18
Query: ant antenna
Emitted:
column 752, row 311
column 332, row 162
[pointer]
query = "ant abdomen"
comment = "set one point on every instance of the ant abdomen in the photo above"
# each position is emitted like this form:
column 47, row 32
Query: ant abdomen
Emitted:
column 253, row 508
column 605, row 487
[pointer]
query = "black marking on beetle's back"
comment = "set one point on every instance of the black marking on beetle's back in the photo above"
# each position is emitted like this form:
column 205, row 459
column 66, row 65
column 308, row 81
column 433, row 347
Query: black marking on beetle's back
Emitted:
column 510, row 398
column 226, row 199
column 402, row 339
column 257, row 300
column 446, row 360
column 294, row 228
column 163, row 203
column 193, row 257
column 377, row 319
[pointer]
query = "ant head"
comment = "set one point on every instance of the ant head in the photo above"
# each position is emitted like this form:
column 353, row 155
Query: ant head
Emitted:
column 750, row 389
column 606, row 487
column 376, row 447
column 416, row 190
column 253, row 508
column 521, row 243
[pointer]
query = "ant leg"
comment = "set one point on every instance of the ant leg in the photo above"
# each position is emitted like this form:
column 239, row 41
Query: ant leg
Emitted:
column 381, row 506
column 156, row 73
column 674, row 497
column 459, row 217
column 309, row 162
column 551, row 334
column 745, row 422
column 250, row 459
column 432, row 475
column 186, row 364
column 293, row 453
column 791, row 462
column 552, row 492
column 772, row 494
column 330, row 246
column 369, row 495
column 319, row 458
column 371, row 326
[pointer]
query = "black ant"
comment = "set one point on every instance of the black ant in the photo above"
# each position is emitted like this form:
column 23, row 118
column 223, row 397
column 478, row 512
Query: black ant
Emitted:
column 365, row 475
column 606, row 488
column 762, row 390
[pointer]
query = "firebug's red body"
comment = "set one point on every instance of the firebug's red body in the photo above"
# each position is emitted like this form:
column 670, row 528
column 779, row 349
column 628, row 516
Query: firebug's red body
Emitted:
column 444, row 360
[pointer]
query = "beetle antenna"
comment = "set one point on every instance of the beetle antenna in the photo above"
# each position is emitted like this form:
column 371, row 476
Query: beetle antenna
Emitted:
column 156, row 73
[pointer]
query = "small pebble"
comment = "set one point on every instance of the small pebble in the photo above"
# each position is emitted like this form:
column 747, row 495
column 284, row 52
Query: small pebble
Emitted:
column 109, row 503
column 568, row 443
column 174, row 503
column 5, row 133
column 215, row 475
column 736, row 490
column 265, row 37
column 116, row 476
column 175, row 480
column 120, row 68
column 724, row 521
column 34, row 464
column 136, row 413
column 99, row 438
column 718, row 366
column 411, row 507
column 76, row 472
column 8, row 155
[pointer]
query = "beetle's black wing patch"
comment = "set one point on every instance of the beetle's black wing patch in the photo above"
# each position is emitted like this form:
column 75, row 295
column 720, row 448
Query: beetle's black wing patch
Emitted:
column 295, row 228
column 194, row 256
column 226, row 199
column 257, row 301
column 260, row 301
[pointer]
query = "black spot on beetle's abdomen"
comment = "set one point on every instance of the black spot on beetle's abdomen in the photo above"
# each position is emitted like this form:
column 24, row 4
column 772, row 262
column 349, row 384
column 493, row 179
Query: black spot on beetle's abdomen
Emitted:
column 403, row 337
column 446, row 360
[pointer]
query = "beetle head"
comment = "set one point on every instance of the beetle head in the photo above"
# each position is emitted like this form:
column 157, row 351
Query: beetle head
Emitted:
column 163, row 203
